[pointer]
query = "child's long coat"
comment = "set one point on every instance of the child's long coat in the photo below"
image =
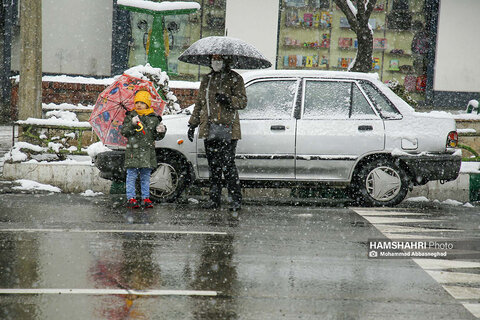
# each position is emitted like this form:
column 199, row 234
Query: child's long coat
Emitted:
column 140, row 150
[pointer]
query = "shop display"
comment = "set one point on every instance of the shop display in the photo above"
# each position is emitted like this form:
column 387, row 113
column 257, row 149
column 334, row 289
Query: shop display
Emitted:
column 317, row 32
column 394, row 65
column 295, row 3
column 410, row 83
column 345, row 43
column 379, row 43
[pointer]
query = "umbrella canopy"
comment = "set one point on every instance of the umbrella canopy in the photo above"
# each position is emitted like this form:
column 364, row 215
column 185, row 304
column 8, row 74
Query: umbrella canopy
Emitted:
column 241, row 54
column 109, row 110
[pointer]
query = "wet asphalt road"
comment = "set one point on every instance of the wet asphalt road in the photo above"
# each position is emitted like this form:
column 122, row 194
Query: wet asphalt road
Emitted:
column 274, row 262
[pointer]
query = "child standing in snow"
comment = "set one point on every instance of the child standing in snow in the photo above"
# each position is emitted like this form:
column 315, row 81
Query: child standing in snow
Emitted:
column 142, row 127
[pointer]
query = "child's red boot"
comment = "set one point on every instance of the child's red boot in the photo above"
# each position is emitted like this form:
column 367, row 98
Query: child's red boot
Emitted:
column 132, row 204
column 147, row 203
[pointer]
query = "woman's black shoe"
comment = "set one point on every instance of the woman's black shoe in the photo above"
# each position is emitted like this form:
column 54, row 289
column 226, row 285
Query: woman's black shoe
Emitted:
column 210, row 205
column 235, row 206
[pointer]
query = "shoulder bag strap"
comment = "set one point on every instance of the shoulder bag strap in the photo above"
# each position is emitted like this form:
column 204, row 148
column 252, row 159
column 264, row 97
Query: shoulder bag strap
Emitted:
column 208, row 96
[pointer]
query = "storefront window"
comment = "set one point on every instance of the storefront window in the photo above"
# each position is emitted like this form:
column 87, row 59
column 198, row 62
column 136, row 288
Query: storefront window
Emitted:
column 315, row 34
column 180, row 32
column 141, row 29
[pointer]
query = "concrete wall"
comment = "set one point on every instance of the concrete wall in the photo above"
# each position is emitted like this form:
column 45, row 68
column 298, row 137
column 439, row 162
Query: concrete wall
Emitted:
column 456, row 65
column 255, row 22
column 77, row 37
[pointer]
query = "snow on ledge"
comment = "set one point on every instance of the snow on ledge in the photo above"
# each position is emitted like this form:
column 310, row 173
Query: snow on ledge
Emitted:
column 55, row 122
column 66, row 106
column 470, row 167
column 468, row 130
column 175, row 84
column 108, row 81
column 162, row 6
column 70, row 79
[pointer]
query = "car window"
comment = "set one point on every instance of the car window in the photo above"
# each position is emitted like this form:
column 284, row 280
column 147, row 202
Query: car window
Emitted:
column 335, row 100
column 327, row 99
column 361, row 109
column 384, row 106
column 272, row 99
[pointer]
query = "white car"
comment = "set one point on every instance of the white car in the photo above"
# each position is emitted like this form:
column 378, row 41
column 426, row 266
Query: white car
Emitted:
column 315, row 128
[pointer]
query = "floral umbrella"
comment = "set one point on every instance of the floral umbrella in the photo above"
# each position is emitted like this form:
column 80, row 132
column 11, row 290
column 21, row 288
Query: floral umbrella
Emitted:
column 109, row 110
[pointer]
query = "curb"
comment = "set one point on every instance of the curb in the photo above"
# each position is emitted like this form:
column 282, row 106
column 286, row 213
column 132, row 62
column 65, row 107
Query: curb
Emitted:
column 76, row 178
column 458, row 189
column 71, row 178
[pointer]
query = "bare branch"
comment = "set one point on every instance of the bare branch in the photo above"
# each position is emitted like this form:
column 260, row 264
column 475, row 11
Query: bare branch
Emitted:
column 360, row 8
column 369, row 6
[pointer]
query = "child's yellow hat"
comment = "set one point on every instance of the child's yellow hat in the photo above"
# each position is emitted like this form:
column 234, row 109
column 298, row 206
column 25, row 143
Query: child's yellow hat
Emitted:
column 143, row 96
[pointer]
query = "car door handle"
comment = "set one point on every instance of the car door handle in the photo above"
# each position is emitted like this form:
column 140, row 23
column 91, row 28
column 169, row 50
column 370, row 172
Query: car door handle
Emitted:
column 365, row 128
column 277, row 127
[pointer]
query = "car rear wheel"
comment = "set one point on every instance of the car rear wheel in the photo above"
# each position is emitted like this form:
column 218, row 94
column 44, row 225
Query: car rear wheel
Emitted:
column 168, row 181
column 380, row 183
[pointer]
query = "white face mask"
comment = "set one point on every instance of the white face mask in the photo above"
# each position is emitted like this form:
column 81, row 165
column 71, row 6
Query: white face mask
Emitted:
column 217, row 65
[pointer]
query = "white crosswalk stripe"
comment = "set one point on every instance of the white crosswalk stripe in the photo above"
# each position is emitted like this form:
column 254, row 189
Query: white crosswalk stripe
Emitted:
column 474, row 308
column 453, row 277
column 461, row 279
column 375, row 220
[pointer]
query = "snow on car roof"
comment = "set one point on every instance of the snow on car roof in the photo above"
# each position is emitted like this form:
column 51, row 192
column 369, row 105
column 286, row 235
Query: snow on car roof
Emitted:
column 372, row 77
column 309, row 73
column 164, row 6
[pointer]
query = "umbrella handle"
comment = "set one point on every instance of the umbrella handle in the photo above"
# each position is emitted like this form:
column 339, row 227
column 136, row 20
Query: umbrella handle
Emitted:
column 141, row 127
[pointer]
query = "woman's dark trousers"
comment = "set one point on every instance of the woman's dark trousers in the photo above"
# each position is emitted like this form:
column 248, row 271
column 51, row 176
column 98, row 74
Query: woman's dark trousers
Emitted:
column 221, row 159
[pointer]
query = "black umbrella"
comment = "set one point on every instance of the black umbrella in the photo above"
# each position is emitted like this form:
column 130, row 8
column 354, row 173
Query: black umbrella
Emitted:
column 240, row 54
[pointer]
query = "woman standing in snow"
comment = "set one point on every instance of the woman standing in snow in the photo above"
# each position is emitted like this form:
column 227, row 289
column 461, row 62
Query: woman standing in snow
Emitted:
column 221, row 94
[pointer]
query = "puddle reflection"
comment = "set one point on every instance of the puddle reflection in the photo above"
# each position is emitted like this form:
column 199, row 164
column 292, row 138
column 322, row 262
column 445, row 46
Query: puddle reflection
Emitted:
column 19, row 268
column 217, row 271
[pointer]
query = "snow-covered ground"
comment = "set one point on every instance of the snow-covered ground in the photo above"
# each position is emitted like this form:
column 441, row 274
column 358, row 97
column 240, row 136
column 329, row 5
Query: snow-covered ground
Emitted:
column 33, row 185
column 449, row 202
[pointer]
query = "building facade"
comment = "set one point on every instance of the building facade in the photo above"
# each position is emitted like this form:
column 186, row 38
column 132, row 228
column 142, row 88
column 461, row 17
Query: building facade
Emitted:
column 428, row 46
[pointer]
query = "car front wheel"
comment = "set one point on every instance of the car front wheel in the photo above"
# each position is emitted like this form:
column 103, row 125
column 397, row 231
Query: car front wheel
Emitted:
column 381, row 183
column 168, row 181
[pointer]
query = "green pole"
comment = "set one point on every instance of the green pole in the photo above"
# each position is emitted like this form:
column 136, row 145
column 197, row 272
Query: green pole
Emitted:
column 156, row 52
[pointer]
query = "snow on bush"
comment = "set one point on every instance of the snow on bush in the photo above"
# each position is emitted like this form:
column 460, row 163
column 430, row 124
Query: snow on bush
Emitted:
column 472, row 105
column 96, row 148
column 60, row 114
column 21, row 151
column 160, row 80
column 55, row 146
